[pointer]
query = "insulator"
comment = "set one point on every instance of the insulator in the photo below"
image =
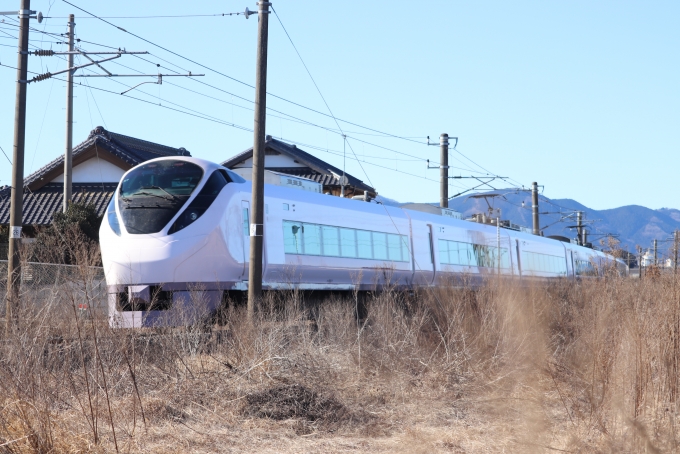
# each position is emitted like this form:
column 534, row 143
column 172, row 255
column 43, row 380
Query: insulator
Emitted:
column 40, row 77
column 44, row 52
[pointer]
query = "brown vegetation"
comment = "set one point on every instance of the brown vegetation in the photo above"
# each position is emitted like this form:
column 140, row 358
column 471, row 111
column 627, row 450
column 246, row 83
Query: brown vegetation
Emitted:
column 576, row 367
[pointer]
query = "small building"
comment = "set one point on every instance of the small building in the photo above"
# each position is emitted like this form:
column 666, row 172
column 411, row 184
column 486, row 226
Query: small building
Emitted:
column 288, row 159
column 99, row 162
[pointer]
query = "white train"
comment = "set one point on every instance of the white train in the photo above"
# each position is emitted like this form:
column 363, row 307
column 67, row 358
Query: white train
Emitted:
column 179, row 227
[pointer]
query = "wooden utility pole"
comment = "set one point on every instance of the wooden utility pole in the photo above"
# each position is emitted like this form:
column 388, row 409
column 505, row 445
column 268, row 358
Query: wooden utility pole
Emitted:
column 676, row 238
column 257, row 208
column 68, row 156
column 444, row 170
column 17, row 194
column 534, row 208
column 655, row 249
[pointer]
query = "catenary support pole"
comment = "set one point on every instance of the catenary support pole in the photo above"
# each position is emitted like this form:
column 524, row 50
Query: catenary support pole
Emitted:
column 68, row 157
column 16, row 198
column 534, row 208
column 257, row 218
column 444, row 170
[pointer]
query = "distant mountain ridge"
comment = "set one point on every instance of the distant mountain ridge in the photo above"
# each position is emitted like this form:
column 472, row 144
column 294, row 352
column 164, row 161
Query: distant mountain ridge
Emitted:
column 635, row 224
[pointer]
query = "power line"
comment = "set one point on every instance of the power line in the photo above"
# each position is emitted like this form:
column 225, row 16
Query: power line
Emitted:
column 205, row 116
column 276, row 96
column 236, row 80
column 291, row 117
column 215, row 120
column 3, row 152
column 241, row 13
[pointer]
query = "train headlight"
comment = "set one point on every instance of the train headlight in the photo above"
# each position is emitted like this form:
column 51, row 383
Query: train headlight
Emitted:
column 112, row 217
column 193, row 215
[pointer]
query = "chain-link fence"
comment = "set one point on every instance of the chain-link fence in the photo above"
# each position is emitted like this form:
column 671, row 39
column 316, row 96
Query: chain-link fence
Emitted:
column 83, row 286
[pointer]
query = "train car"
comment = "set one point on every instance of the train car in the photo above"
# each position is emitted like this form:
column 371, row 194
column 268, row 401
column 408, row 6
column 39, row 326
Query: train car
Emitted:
column 176, row 237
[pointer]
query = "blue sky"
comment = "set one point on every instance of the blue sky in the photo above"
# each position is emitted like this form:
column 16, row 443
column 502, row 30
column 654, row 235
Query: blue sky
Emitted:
column 582, row 97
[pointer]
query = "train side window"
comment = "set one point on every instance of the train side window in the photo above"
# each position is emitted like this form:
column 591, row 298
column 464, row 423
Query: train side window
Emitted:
column 364, row 244
column 405, row 255
column 311, row 239
column 505, row 258
column 379, row 246
column 348, row 243
column 292, row 237
column 331, row 245
column 444, row 252
column 394, row 247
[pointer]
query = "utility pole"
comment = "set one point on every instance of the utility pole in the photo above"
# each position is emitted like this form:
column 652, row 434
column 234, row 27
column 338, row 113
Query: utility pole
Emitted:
column 444, row 170
column 676, row 238
column 498, row 241
column 68, row 156
column 257, row 218
column 639, row 249
column 655, row 249
column 17, row 194
column 534, row 208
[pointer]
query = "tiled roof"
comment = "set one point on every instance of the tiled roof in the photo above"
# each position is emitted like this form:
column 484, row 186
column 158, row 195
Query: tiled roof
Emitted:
column 130, row 150
column 42, row 198
column 316, row 169
column 40, row 206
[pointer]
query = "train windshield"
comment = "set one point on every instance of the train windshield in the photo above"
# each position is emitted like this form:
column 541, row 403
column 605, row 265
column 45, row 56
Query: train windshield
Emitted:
column 153, row 193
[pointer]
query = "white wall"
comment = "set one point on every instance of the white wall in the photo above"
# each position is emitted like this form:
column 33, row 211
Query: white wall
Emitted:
column 272, row 160
column 94, row 170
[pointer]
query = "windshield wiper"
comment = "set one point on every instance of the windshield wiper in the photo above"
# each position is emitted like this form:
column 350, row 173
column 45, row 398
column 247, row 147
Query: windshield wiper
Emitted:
column 158, row 187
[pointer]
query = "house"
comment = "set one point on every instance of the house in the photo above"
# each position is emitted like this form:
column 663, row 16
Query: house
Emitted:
column 101, row 160
column 98, row 165
column 284, row 158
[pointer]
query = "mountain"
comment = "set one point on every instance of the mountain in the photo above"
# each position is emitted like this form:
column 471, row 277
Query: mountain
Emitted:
column 635, row 225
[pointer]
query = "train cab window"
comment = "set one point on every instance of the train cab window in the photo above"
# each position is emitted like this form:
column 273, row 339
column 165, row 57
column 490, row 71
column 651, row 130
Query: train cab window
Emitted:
column 211, row 189
column 150, row 195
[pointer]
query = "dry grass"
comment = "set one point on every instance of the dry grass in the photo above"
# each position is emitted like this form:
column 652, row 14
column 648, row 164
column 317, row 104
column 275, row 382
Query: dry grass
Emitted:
column 576, row 367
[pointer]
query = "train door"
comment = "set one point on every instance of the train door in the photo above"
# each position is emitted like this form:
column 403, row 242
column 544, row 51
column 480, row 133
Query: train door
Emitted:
column 245, row 236
column 519, row 260
column 433, row 257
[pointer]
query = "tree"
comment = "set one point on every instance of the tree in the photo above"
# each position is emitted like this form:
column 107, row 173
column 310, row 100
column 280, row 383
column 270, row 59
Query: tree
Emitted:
column 72, row 238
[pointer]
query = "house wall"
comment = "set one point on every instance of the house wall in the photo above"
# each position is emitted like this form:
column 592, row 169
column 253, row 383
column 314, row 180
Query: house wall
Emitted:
column 272, row 161
column 94, row 170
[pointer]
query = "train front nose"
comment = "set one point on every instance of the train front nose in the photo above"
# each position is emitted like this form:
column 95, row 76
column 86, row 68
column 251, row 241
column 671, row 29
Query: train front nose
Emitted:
column 148, row 259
